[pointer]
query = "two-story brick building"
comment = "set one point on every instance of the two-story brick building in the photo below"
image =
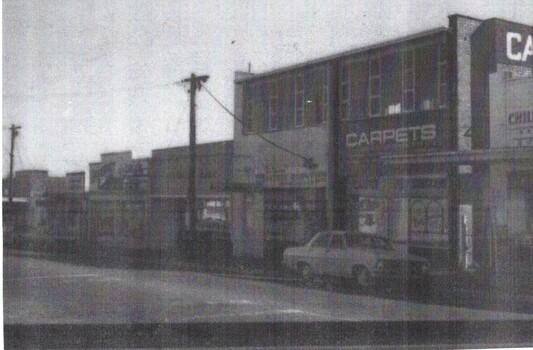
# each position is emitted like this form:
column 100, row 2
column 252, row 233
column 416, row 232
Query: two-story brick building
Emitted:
column 424, row 140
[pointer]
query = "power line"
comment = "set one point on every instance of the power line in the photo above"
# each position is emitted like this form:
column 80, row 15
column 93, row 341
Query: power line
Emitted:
column 308, row 161
column 91, row 93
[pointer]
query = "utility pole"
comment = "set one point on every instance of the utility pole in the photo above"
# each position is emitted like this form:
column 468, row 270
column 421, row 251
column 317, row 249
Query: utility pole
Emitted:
column 11, row 225
column 195, row 83
column 14, row 133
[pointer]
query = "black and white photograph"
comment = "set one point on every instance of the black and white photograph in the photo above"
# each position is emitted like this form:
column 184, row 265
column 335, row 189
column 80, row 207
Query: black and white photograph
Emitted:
column 240, row 174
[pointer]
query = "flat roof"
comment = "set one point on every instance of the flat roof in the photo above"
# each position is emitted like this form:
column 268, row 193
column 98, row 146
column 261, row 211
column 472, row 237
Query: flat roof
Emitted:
column 410, row 37
column 31, row 171
column 185, row 148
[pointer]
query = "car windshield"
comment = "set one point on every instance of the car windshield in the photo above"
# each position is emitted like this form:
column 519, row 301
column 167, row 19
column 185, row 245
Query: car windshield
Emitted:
column 319, row 241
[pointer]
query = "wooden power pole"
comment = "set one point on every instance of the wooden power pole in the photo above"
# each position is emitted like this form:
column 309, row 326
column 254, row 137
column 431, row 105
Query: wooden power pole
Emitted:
column 14, row 133
column 10, row 218
column 195, row 84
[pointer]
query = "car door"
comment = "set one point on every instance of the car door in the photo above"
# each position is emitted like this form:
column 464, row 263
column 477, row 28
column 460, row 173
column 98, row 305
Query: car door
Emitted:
column 337, row 259
column 359, row 251
column 316, row 253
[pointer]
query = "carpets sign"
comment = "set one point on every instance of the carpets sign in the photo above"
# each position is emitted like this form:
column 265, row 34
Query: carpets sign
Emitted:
column 399, row 135
column 421, row 131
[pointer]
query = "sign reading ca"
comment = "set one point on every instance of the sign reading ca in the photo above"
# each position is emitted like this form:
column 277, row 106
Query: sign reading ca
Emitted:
column 519, row 47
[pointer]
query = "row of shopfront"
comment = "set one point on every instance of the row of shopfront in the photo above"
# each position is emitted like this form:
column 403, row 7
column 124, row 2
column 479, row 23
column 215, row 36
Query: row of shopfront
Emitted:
column 426, row 140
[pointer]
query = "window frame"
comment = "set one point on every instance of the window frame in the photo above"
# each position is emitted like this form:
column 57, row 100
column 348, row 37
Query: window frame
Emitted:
column 251, row 115
column 299, row 96
column 408, row 71
column 273, row 104
column 325, row 97
column 345, row 83
column 377, row 77
column 247, row 120
column 442, row 87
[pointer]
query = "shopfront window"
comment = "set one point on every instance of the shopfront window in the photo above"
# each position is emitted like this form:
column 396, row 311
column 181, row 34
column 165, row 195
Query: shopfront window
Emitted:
column 368, row 212
column 426, row 217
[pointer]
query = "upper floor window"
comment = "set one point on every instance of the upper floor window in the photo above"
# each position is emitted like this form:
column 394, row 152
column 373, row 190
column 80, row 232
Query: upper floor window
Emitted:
column 299, row 99
column 408, row 80
column 391, row 82
column 273, row 104
column 248, row 117
column 345, row 92
column 321, row 109
column 252, row 111
column 374, row 86
column 443, row 78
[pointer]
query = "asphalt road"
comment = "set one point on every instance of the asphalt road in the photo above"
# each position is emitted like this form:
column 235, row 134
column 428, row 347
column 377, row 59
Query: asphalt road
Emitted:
column 50, row 304
column 46, row 292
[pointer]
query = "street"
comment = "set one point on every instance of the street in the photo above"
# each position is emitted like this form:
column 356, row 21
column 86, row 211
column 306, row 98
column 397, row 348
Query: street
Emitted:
column 60, row 305
column 38, row 291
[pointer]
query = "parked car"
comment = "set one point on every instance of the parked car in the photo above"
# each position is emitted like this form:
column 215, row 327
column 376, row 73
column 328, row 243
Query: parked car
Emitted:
column 354, row 256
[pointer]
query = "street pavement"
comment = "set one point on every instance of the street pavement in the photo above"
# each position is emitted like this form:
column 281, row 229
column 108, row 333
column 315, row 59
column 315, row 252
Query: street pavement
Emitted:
column 39, row 291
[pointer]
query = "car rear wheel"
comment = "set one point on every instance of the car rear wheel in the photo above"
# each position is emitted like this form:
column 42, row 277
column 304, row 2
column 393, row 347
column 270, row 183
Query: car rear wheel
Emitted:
column 362, row 277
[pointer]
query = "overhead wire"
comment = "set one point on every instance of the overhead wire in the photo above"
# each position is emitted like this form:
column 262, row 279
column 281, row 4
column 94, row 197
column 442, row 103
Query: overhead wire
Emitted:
column 91, row 93
column 308, row 160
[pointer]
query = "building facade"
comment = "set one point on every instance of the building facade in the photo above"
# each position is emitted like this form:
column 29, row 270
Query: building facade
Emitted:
column 117, row 201
column 66, row 210
column 279, row 197
column 425, row 140
column 168, row 211
column 25, row 215
column 47, row 209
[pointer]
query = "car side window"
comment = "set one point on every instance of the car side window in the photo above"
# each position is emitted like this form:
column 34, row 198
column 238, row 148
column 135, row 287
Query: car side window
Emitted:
column 320, row 242
column 337, row 242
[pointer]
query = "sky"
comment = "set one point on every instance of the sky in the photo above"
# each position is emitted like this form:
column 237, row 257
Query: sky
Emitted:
column 85, row 77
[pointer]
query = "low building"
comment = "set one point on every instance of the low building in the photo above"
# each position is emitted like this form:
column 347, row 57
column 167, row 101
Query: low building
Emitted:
column 31, row 185
column 45, row 209
column 66, row 210
column 167, row 214
column 117, row 201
